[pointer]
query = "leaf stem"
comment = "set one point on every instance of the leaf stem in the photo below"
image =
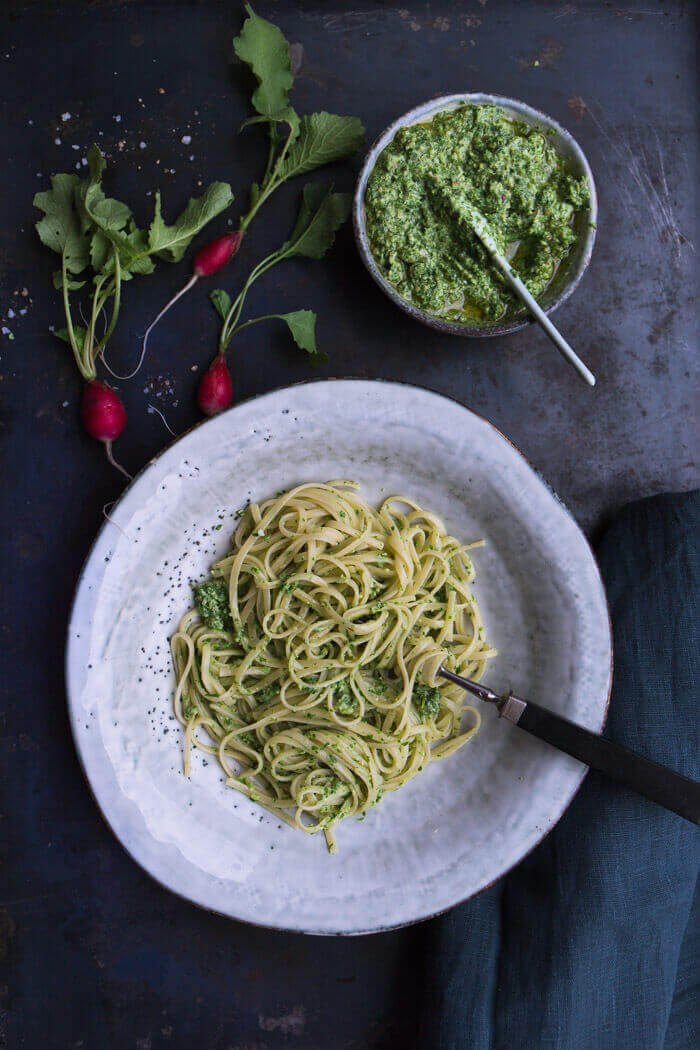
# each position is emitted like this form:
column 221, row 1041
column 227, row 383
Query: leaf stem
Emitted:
column 89, row 342
column 254, row 320
column 271, row 153
column 249, row 216
column 271, row 174
column 116, row 290
column 234, row 313
column 85, row 373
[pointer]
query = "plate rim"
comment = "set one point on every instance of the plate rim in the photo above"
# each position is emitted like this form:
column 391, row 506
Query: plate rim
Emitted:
column 72, row 713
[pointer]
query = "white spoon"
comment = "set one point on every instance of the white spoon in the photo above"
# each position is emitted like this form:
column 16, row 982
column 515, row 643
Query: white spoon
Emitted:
column 476, row 221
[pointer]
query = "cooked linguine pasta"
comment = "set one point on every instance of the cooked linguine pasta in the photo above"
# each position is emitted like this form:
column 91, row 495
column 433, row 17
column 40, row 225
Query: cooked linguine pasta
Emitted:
column 307, row 665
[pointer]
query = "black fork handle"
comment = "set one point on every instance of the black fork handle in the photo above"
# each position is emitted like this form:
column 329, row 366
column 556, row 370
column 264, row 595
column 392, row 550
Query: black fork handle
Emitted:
column 662, row 785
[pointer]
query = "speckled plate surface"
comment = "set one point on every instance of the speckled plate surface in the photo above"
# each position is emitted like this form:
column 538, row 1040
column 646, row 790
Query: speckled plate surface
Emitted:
column 459, row 825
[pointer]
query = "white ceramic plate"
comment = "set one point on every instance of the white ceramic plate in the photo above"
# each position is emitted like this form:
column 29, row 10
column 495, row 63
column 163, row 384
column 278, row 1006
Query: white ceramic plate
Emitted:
column 456, row 827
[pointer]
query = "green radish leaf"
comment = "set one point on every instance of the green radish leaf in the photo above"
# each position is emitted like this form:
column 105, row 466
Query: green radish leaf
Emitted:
column 96, row 164
column 71, row 285
column 221, row 301
column 109, row 213
column 171, row 242
column 89, row 229
column 323, row 138
column 113, row 225
column 60, row 229
column 285, row 116
column 322, row 213
column 100, row 251
column 262, row 46
column 104, row 212
column 134, row 256
column 302, row 325
column 78, row 331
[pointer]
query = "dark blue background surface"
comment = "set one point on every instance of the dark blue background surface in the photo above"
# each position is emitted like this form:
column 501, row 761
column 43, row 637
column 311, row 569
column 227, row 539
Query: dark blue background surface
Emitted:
column 94, row 954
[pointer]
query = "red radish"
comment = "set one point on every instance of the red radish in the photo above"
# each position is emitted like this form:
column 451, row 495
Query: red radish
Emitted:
column 208, row 261
column 215, row 391
column 103, row 416
column 216, row 254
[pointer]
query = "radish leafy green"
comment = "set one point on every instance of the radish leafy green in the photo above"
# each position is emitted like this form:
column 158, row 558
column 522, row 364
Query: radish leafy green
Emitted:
column 263, row 47
column 97, row 236
column 321, row 214
column 311, row 141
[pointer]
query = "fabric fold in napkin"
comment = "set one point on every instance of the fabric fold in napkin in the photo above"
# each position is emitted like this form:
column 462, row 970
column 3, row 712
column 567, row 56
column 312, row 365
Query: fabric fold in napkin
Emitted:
column 592, row 942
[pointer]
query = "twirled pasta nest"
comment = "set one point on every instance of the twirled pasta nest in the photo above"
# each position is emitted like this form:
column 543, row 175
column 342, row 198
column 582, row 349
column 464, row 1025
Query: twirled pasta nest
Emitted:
column 308, row 663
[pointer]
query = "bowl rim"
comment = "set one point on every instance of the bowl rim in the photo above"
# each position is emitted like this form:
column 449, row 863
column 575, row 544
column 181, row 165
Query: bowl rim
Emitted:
column 436, row 105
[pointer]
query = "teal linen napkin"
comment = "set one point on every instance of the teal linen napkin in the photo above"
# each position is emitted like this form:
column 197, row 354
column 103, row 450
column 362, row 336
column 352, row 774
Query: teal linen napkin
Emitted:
column 593, row 942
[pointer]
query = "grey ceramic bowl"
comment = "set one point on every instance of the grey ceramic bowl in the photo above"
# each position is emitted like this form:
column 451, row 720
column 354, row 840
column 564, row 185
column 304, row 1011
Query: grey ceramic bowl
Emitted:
column 572, row 267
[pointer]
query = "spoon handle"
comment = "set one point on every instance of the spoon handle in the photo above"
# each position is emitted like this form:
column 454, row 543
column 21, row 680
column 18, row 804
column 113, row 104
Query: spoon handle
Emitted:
column 471, row 215
column 543, row 321
column 655, row 782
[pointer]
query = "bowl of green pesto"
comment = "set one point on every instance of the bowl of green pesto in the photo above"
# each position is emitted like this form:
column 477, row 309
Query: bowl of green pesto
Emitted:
column 527, row 176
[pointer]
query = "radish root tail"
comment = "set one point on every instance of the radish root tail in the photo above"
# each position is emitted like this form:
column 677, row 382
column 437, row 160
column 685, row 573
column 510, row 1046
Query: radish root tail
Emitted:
column 112, row 460
column 113, row 522
column 152, row 408
column 192, row 281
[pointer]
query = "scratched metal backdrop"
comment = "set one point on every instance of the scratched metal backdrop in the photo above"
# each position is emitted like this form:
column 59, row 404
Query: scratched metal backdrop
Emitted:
column 92, row 953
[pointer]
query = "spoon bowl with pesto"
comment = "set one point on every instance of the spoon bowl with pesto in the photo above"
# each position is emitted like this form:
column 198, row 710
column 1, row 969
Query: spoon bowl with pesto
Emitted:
column 524, row 173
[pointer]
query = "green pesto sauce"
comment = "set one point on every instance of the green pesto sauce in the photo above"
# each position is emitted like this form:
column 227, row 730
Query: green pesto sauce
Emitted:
column 509, row 171
column 211, row 601
column 427, row 700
